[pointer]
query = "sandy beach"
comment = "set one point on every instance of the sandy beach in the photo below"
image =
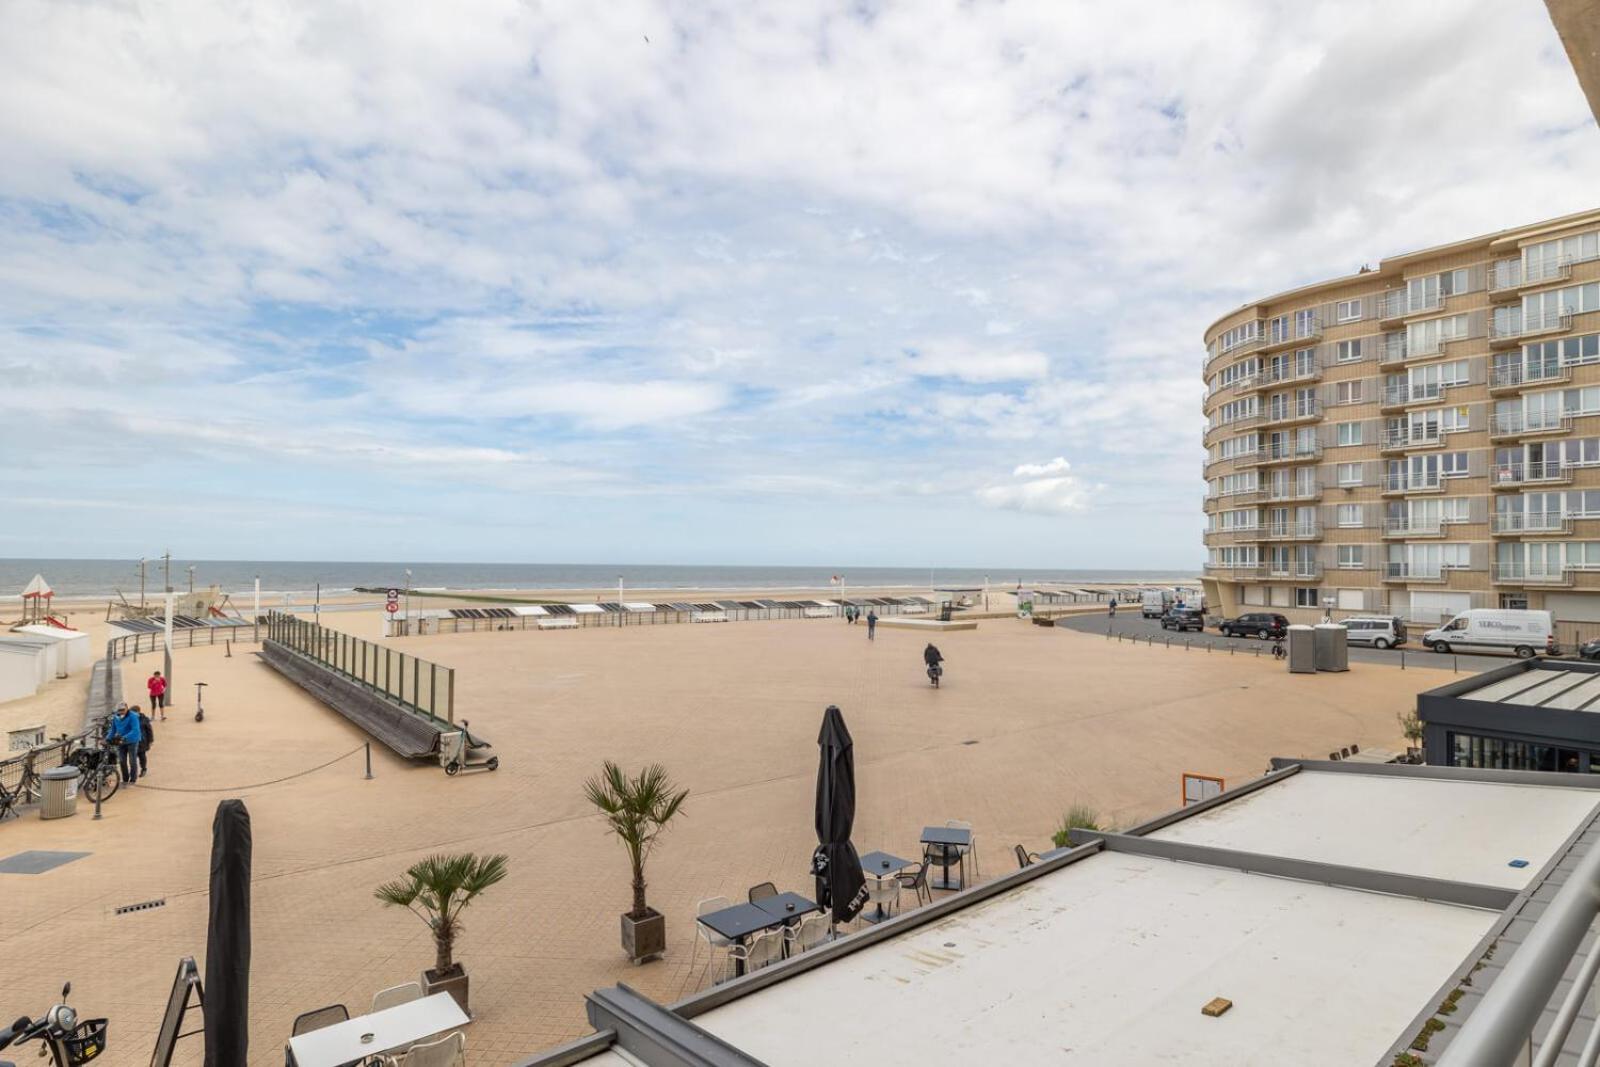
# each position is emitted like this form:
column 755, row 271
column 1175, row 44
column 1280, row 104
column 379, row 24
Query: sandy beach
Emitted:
column 1031, row 719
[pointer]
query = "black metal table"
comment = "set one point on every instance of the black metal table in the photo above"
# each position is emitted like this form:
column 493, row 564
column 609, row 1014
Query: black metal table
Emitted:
column 881, row 865
column 741, row 920
column 945, row 838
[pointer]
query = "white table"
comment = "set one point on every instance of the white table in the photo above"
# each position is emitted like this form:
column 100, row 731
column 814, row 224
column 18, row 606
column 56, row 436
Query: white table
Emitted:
column 393, row 1028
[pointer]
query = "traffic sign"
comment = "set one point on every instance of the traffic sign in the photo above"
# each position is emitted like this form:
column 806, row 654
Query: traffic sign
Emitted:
column 394, row 594
column 392, row 606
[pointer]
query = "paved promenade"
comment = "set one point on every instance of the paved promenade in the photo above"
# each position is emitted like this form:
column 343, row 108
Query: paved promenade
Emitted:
column 1030, row 719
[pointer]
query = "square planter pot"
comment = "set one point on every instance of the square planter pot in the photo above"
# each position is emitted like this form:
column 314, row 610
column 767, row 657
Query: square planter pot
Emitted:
column 454, row 983
column 646, row 938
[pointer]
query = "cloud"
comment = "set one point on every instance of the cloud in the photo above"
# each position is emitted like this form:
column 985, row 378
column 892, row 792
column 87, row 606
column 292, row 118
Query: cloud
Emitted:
column 1041, row 488
column 971, row 363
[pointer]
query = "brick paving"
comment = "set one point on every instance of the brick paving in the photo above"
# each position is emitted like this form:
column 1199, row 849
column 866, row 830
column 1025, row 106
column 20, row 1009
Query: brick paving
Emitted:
column 1029, row 720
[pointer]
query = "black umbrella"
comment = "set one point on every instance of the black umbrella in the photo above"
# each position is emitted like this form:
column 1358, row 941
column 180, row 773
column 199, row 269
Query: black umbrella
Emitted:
column 227, row 1003
column 840, row 884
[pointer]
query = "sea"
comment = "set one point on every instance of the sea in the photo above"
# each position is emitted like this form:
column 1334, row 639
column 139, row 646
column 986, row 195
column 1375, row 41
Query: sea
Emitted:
column 80, row 578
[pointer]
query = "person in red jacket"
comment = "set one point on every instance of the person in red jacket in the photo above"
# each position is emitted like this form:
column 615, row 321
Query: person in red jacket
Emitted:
column 158, row 694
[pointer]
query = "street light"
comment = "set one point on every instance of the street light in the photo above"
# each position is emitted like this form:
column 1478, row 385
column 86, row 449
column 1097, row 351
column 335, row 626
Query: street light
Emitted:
column 406, row 626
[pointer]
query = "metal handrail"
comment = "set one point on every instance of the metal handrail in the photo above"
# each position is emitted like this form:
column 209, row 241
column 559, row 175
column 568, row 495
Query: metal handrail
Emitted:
column 1500, row 1028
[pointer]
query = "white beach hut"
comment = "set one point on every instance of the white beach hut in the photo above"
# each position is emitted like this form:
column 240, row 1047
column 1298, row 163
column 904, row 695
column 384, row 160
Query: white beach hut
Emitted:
column 24, row 667
column 74, row 653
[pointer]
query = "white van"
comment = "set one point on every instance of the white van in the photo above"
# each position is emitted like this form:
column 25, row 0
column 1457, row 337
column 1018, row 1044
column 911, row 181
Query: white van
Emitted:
column 1495, row 629
column 1154, row 603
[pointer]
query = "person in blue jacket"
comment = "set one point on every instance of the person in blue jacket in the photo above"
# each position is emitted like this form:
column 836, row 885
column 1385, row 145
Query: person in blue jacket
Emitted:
column 123, row 731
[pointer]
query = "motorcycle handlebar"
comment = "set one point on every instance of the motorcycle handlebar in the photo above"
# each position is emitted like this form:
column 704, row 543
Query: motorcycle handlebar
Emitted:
column 15, row 1030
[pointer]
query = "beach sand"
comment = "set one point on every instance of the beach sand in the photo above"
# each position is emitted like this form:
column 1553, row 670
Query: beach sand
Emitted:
column 1030, row 720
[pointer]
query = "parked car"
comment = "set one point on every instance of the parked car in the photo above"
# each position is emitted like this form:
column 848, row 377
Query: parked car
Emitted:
column 1522, row 632
column 1184, row 619
column 1378, row 631
column 1590, row 649
column 1262, row 624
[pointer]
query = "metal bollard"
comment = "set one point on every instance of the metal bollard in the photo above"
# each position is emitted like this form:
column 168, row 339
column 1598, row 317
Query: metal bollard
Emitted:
column 228, row 652
column 1455, row 664
column 369, row 760
column 1402, row 659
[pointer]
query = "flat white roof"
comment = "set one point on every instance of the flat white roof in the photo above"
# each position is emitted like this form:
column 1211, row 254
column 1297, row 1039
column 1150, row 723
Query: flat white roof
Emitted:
column 586, row 609
column 1109, row 960
column 528, row 610
column 1546, row 686
column 1464, row 831
column 639, row 605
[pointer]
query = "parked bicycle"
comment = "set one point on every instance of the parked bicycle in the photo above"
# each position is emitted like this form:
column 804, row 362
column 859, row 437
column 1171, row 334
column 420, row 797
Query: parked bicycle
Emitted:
column 97, row 764
column 69, row 1041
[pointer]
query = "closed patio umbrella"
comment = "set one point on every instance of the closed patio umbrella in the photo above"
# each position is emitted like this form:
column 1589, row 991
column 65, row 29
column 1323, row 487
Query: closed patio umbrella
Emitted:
column 227, row 999
column 840, row 884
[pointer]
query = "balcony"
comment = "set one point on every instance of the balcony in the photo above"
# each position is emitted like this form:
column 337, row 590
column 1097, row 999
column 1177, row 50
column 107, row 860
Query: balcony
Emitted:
column 1298, row 491
column 1299, row 411
column 1296, row 453
column 1507, row 379
column 1527, row 424
column 1239, row 571
column 1516, row 475
column 1407, row 438
column 1236, row 497
column 1533, row 574
column 1431, row 482
column 1275, row 376
column 1291, row 531
column 1412, row 572
column 1530, row 524
column 1235, row 426
column 1296, row 570
column 1514, row 328
column 1305, row 333
column 1392, row 350
column 1398, row 396
column 1413, row 528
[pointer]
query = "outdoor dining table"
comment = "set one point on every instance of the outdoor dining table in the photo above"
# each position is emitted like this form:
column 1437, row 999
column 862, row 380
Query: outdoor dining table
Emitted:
column 391, row 1029
column 741, row 920
column 945, row 838
column 881, row 865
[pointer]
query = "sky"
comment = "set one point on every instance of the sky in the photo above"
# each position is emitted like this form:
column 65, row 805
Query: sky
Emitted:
column 913, row 284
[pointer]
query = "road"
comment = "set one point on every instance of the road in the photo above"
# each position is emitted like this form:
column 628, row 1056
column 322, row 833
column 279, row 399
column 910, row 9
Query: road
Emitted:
column 1130, row 625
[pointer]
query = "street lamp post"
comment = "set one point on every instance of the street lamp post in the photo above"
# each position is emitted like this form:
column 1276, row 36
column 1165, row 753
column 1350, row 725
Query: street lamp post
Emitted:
column 405, row 627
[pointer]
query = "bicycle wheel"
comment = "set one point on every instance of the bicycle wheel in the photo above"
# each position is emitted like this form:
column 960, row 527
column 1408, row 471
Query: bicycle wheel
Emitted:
column 101, row 784
column 31, row 788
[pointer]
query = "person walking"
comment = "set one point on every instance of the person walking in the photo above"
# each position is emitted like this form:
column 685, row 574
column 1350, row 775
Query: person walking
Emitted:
column 1113, row 607
column 123, row 732
column 157, row 686
column 872, row 624
column 147, row 737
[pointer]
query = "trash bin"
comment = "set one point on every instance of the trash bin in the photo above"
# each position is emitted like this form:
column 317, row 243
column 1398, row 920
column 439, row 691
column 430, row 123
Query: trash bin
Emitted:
column 1333, row 647
column 60, row 793
column 1302, row 650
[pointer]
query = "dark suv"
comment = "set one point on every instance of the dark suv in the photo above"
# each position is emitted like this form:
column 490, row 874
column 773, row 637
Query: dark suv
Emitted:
column 1262, row 624
column 1184, row 619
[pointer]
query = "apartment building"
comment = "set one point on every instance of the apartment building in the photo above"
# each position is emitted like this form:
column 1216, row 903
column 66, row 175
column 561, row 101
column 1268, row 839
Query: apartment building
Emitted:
column 1414, row 439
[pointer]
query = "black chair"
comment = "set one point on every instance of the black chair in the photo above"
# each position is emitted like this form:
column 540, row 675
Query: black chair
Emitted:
column 316, row 1020
column 764, row 891
column 1026, row 858
column 944, row 857
column 918, row 883
column 1333, row 755
column 1344, row 753
column 1355, row 750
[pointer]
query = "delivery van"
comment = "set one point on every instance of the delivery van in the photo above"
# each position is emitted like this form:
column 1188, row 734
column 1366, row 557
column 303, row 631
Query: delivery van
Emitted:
column 1495, row 630
column 1154, row 603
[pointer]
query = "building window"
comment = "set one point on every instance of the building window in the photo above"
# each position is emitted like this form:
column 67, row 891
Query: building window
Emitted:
column 1305, row 323
column 1306, row 598
column 1352, row 557
column 1349, row 473
column 1453, row 464
column 1347, row 351
column 1348, row 515
column 25, row 738
column 1349, row 433
column 1347, row 311
column 1347, row 392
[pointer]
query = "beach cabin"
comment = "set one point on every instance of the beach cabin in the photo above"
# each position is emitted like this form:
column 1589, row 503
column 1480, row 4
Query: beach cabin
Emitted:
column 24, row 667
column 74, row 653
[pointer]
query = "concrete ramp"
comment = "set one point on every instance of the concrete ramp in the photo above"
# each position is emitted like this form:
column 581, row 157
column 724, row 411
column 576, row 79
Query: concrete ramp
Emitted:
column 408, row 733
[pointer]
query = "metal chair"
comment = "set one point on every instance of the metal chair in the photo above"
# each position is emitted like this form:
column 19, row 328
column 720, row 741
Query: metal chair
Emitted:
column 1333, row 755
column 809, row 932
column 448, row 1051
column 715, row 942
column 306, row 1022
column 918, row 882
column 1344, row 753
column 944, row 857
column 1355, row 750
column 396, row 995
column 958, row 824
column 1026, row 858
column 764, row 891
column 882, row 893
column 762, row 948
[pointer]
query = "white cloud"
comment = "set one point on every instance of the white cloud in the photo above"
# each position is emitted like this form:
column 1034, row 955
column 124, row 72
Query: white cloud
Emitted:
column 1042, row 488
column 950, row 358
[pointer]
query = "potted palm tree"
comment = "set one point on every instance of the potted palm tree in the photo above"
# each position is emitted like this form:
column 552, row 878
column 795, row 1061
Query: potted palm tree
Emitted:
column 438, row 889
column 637, row 809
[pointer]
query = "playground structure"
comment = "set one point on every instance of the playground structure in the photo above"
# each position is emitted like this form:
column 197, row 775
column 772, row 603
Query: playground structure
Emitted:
column 36, row 606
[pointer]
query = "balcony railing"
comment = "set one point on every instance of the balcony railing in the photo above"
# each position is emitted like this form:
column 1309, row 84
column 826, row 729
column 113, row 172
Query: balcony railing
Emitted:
column 1552, row 270
column 1392, row 350
column 1536, row 522
column 1391, row 305
column 1294, row 333
column 1519, row 374
column 1415, row 572
column 1428, row 482
column 1533, row 574
column 1292, row 531
column 1296, row 491
column 1412, row 527
column 1546, row 472
column 1518, row 423
column 1413, row 393
column 1294, row 412
column 1412, row 437
column 1296, row 569
column 1513, row 328
column 1291, row 453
